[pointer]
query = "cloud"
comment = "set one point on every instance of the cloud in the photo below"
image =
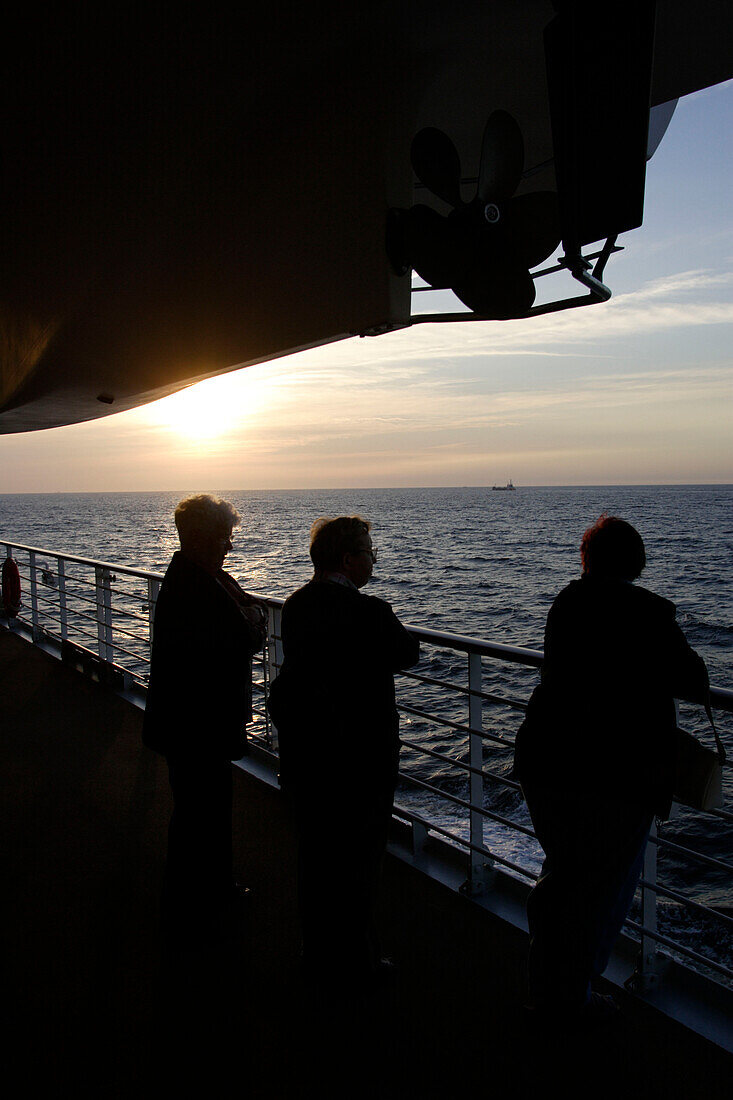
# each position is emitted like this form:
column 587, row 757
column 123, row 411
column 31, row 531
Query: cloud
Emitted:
column 671, row 303
column 680, row 283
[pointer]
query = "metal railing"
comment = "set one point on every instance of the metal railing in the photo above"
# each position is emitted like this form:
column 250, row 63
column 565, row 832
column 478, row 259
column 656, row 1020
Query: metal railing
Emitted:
column 455, row 775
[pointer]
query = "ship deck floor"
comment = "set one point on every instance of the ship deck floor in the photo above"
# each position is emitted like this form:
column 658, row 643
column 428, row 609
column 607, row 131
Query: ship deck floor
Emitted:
column 96, row 1006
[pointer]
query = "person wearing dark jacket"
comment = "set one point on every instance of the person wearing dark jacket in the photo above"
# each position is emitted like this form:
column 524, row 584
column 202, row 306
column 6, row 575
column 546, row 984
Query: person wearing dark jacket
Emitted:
column 205, row 631
column 334, row 707
column 595, row 758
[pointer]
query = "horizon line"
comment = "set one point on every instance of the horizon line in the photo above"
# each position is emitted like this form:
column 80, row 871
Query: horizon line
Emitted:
column 387, row 488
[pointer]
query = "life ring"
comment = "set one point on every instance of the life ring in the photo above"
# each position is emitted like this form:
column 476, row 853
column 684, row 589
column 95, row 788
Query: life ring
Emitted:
column 11, row 588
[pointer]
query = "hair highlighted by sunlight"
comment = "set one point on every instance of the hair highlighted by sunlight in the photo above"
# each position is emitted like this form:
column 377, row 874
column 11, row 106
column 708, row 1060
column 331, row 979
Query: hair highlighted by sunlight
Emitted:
column 203, row 517
column 612, row 548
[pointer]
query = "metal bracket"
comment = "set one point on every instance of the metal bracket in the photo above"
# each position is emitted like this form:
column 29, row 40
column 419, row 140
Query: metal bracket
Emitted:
column 480, row 880
column 573, row 261
column 647, row 975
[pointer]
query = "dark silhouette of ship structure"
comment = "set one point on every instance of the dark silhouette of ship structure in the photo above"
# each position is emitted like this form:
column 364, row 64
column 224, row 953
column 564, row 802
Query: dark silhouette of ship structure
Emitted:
column 508, row 488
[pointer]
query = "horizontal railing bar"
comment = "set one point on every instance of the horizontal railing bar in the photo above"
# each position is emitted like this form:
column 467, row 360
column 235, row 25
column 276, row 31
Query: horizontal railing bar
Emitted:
column 464, row 644
column 129, row 652
column 139, row 677
column 44, row 596
column 495, row 737
column 114, row 665
column 409, row 815
column 448, row 722
column 131, row 572
column 689, row 903
column 418, row 747
column 467, row 805
column 135, row 587
column 408, row 674
column 710, row 861
column 136, row 615
column 143, row 638
column 459, row 763
column 72, row 597
column 75, row 613
column 659, row 938
column 516, row 704
column 721, row 698
column 80, row 630
column 48, row 615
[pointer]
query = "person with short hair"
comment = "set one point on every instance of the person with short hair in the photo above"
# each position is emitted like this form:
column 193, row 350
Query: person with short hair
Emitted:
column 205, row 632
column 333, row 703
column 595, row 758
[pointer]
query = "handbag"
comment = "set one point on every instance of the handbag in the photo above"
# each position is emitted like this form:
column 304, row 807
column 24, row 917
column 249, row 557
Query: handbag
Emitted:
column 698, row 780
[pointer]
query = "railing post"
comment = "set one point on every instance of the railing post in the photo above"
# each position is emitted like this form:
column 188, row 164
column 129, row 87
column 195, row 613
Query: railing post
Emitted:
column 649, row 906
column 63, row 610
column 419, row 840
column 104, row 613
column 8, row 554
column 35, row 621
column 272, row 665
column 479, row 865
column 153, row 590
column 648, row 963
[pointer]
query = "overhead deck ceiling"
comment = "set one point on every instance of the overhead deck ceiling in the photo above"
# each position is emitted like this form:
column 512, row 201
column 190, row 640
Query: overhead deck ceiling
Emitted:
column 190, row 193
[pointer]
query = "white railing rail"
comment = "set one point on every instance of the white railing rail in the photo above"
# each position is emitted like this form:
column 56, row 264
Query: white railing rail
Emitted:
column 105, row 612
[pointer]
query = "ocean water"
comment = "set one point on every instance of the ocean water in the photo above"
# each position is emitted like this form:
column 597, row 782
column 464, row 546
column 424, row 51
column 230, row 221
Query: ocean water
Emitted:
column 474, row 562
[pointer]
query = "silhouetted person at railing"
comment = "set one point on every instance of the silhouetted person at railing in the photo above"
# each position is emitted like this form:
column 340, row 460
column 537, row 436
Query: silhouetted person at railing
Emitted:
column 206, row 630
column 595, row 757
column 334, row 706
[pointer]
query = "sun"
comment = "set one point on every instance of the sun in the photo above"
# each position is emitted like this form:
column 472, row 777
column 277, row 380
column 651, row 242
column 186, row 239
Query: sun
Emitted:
column 212, row 408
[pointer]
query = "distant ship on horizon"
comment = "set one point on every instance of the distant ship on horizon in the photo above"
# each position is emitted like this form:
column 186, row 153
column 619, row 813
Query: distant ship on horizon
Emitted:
column 503, row 488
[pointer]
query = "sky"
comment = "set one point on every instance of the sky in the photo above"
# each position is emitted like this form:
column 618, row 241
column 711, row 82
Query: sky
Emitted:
column 638, row 390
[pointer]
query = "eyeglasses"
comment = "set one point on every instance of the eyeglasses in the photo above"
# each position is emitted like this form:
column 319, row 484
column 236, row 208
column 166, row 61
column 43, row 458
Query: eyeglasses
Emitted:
column 372, row 553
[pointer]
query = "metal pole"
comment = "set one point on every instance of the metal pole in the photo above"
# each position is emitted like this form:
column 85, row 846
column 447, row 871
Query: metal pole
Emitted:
column 647, row 967
column 153, row 590
column 419, row 840
column 35, row 622
column 479, row 865
column 63, row 612
column 103, row 580
column 8, row 554
column 648, row 963
column 272, row 665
